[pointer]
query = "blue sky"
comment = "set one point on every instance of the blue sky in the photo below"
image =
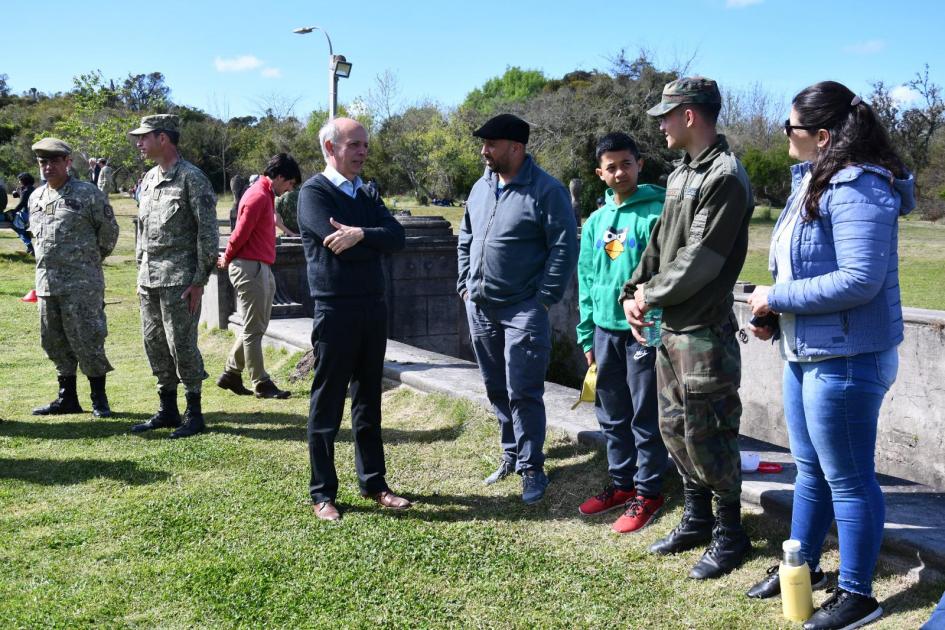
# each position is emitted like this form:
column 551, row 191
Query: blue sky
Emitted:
column 237, row 57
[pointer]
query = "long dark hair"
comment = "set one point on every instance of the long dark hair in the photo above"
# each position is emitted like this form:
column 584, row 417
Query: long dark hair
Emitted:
column 856, row 136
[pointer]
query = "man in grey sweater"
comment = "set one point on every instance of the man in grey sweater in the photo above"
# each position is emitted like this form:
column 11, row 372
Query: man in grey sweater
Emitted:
column 517, row 251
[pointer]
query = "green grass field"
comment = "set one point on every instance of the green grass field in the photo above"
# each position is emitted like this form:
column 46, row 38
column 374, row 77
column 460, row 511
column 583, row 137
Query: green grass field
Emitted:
column 101, row 528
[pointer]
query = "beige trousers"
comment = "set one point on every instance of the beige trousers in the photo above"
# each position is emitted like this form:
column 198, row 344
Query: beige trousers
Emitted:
column 255, row 288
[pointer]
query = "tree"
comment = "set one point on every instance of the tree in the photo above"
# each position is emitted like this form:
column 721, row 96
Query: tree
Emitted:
column 916, row 133
column 146, row 93
column 515, row 86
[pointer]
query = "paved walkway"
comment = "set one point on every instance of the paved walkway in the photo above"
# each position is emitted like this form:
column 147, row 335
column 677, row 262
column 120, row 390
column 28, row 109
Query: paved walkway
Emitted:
column 915, row 514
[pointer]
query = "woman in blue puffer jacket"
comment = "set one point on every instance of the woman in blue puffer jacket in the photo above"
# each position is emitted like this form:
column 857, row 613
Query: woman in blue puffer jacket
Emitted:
column 836, row 294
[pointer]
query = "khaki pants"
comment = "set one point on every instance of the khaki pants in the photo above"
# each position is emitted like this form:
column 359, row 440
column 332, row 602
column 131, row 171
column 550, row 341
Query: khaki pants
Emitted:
column 255, row 288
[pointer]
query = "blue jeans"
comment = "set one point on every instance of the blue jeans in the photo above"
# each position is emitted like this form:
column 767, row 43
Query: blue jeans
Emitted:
column 513, row 346
column 627, row 411
column 937, row 620
column 832, row 408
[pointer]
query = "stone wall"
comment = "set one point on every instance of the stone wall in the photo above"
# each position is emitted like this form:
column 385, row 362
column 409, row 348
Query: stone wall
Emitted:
column 911, row 438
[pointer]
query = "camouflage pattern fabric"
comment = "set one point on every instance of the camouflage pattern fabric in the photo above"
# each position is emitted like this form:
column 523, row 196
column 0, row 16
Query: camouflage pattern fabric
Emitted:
column 170, row 338
column 106, row 180
column 698, row 375
column 287, row 207
column 73, row 330
column 74, row 229
column 178, row 237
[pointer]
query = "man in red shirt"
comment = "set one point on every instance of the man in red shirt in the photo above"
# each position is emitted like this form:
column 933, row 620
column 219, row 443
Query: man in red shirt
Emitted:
column 249, row 254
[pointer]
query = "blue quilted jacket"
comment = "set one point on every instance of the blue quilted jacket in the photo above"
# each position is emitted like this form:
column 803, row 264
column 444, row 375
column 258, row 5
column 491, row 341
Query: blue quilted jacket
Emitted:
column 845, row 266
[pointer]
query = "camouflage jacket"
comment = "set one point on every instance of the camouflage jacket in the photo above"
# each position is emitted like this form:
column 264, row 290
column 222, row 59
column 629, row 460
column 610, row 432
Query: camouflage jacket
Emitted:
column 74, row 229
column 105, row 178
column 698, row 246
column 287, row 205
column 178, row 237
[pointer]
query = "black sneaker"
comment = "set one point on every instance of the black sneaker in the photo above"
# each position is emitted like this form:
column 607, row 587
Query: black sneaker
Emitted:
column 770, row 586
column 504, row 470
column 844, row 611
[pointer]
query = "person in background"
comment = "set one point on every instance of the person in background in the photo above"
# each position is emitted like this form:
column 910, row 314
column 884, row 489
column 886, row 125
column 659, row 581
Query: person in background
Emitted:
column 19, row 217
column 250, row 253
column 287, row 212
column 94, row 170
column 835, row 265
column 612, row 241
column 105, row 180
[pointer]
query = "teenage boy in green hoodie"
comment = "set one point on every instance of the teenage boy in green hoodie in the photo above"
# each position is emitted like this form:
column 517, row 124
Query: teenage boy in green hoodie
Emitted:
column 612, row 240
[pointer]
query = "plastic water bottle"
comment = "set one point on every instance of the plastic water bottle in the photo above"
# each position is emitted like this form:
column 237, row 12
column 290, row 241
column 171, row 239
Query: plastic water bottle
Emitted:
column 652, row 333
column 797, row 600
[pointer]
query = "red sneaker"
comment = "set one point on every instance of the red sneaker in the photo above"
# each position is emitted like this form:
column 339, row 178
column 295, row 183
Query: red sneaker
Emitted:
column 610, row 499
column 639, row 514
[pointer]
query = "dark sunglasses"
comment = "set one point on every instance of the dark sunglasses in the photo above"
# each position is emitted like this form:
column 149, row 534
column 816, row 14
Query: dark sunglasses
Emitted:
column 789, row 128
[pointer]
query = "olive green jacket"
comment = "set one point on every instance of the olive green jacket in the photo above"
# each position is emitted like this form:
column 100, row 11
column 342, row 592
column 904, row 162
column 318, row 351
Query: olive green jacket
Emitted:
column 699, row 244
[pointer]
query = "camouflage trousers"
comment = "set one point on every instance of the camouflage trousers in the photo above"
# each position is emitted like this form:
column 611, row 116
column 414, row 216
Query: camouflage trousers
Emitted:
column 698, row 375
column 73, row 330
column 170, row 338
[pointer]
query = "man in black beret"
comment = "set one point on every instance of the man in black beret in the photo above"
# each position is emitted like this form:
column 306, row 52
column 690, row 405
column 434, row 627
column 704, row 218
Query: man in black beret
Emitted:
column 517, row 251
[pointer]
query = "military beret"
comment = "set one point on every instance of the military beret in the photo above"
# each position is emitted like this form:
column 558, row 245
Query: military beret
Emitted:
column 504, row 127
column 157, row 122
column 686, row 90
column 51, row 147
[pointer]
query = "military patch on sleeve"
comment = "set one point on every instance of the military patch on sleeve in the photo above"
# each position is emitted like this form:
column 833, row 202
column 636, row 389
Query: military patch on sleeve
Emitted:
column 109, row 213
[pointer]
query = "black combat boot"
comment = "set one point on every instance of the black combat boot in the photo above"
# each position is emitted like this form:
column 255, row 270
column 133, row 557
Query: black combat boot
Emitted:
column 100, row 408
column 167, row 415
column 729, row 546
column 67, row 402
column 695, row 526
column 193, row 418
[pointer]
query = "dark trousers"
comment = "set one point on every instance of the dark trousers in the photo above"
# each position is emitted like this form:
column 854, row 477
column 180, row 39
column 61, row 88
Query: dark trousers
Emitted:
column 349, row 343
column 513, row 346
column 628, row 413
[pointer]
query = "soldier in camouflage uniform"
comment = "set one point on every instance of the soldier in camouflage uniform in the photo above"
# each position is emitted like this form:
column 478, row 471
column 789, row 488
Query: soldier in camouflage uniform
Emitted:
column 689, row 269
column 106, row 177
column 287, row 212
column 74, row 229
column 176, row 248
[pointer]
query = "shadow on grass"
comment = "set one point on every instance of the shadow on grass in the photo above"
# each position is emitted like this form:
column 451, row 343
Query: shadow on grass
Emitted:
column 51, row 472
column 20, row 256
column 69, row 430
column 566, row 481
column 297, row 429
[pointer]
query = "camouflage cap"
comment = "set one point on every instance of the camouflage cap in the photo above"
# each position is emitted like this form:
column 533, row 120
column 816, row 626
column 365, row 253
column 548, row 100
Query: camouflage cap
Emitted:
column 686, row 90
column 157, row 122
column 51, row 147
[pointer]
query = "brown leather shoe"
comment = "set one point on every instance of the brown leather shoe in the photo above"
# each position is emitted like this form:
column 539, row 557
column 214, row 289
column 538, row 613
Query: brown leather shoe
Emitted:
column 268, row 389
column 326, row 511
column 388, row 499
column 234, row 383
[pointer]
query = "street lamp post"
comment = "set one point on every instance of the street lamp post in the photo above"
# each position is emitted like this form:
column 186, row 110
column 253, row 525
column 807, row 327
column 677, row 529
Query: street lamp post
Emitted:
column 338, row 66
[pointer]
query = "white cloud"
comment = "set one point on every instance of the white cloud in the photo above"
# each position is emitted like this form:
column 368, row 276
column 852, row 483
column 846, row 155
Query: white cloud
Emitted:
column 271, row 73
column 237, row 64
column 740, row 4
column 868, row 47
column 904, row 95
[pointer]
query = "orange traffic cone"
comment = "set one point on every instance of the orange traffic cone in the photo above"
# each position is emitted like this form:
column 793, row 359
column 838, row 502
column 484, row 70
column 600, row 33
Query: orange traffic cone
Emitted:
column 29, row 297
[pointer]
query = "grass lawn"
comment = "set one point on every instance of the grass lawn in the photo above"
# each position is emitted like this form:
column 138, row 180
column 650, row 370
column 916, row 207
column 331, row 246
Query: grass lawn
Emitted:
column 103, row 528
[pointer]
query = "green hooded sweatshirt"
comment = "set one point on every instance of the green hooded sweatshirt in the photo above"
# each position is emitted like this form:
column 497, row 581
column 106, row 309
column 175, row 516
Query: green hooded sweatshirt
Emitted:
column 612, row 241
